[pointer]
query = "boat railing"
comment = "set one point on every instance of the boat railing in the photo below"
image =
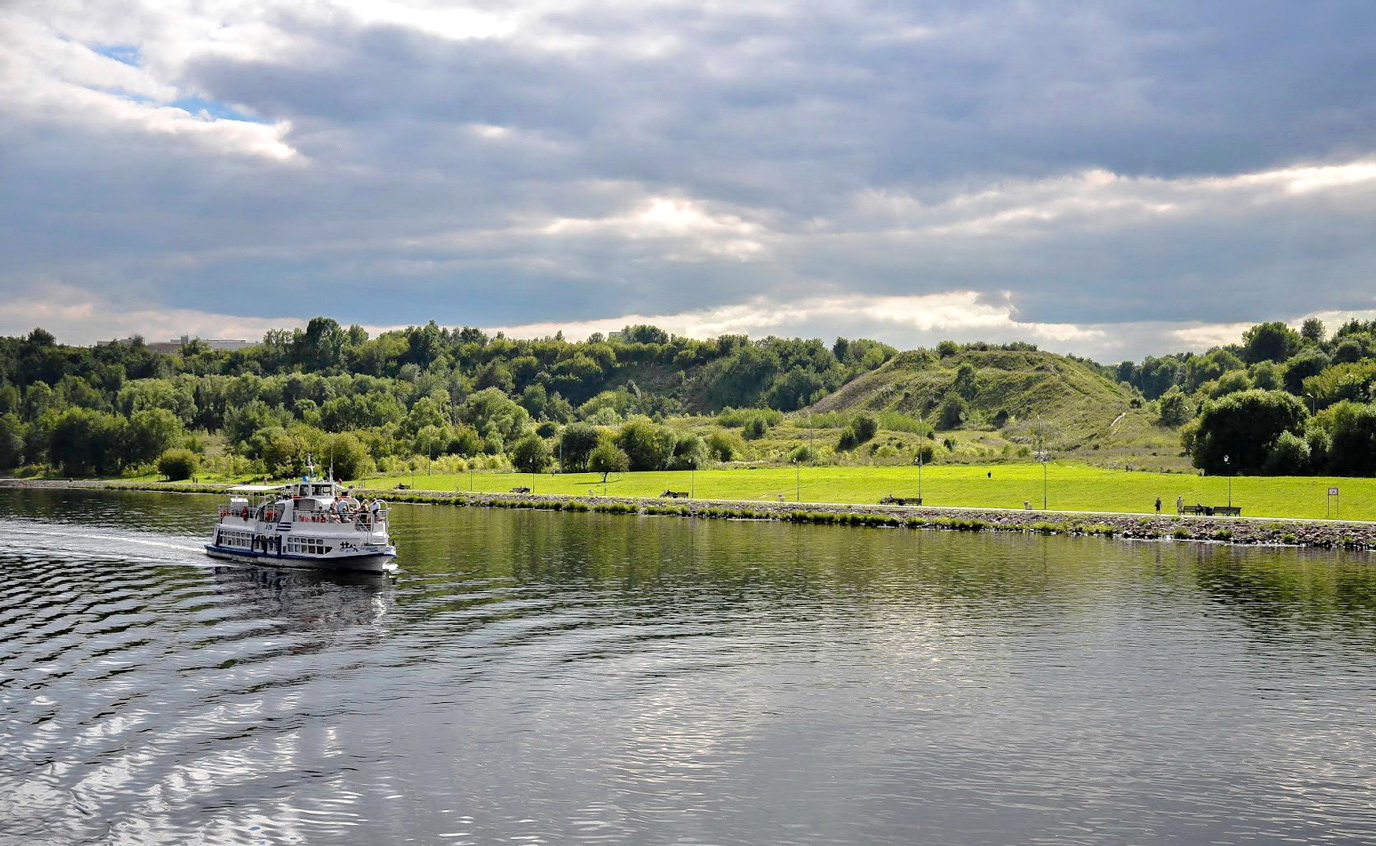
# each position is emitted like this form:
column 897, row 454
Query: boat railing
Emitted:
column 362, row 519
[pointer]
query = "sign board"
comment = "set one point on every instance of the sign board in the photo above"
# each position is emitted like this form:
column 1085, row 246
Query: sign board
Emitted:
column 1332, row 491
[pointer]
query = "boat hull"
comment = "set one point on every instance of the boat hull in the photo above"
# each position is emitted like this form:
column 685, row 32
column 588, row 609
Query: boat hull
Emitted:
column 372, row 562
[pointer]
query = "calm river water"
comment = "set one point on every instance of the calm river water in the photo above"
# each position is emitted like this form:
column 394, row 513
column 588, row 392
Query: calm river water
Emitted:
column 560, row 678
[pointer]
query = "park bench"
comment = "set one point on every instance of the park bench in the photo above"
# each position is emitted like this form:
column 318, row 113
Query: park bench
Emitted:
column 675, row 494
column 520, row 490
column 901, row 500
column 1213, row 510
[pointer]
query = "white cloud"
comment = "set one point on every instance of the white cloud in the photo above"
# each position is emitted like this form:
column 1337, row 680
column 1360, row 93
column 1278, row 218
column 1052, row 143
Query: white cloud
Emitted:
column 691, row 230
column 962, row 314
column 46, row 77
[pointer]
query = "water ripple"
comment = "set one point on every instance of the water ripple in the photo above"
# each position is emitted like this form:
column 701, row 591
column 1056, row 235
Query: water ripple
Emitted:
column 550, row 678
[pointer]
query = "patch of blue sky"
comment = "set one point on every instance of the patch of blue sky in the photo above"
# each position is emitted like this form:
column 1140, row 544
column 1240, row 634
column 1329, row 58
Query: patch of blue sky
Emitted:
column 213, row 108
column 126, row 53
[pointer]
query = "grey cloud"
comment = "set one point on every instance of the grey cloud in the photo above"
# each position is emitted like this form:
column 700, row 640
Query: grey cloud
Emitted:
column 782, row 119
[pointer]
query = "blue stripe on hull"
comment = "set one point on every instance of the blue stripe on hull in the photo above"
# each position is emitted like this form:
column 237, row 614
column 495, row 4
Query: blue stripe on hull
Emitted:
column 363, row 563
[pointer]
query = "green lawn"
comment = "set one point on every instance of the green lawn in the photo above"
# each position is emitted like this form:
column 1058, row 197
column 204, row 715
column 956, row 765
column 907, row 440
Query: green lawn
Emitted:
column 1069, row 487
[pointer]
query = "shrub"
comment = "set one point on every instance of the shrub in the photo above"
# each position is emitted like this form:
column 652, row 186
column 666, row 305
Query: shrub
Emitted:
column 722, row 446
column 865, row 427
column 893, row 421
column 953, row 413
column 848, row 440
column 178, row 464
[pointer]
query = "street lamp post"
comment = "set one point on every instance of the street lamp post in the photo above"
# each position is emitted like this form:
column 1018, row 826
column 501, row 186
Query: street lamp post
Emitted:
column 1043, row 457
column 1227, row 469
column 919, row 474
column 692, row 477
column 798, row 481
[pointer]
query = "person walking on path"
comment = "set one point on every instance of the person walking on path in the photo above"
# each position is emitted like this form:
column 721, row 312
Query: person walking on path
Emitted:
column 1158, row 505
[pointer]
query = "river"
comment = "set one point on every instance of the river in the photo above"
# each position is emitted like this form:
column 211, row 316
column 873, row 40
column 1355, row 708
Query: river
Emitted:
column 534, row 677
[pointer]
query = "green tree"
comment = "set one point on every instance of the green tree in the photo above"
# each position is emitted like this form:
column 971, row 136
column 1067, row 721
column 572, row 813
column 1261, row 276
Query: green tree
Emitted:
column 606, row 458
column 178, row 464
column 83, row 442
column 1208, row 367
column 1267, row 375
column 283, row 451
column 1272, row 341
column 646, row 444
column 347, row 454
column 11, row 441
column 1174, row 408
column 1352, row 448
column 966, row 383
column 1289, row 456
column 531, row 454
column 321, row 346
column 151, row 433
column 491, row 411
column 1354, row 347
column 1310, row 361
column 1313, row 331
column 1244, row 428
column 689, row 451
column 576, row 443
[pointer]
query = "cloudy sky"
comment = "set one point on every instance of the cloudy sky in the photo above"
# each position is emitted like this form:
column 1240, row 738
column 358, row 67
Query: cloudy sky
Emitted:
column 1110, row 179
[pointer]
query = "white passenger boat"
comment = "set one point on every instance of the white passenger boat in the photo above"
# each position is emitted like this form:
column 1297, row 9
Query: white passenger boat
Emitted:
column 311, row 523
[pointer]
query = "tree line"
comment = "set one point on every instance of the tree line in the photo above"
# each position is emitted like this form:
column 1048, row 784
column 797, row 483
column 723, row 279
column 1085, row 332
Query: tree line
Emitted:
column 425, row 390
column 1282, row 401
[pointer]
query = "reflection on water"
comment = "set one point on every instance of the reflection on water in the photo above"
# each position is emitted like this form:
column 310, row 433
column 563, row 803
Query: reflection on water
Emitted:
column 564, row 677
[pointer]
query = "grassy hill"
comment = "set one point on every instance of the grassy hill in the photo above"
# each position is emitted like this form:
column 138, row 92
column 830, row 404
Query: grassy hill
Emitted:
column 1017, row 397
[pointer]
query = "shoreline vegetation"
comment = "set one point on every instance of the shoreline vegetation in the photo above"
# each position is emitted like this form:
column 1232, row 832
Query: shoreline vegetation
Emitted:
column 1274, row 425
column 1240, row 531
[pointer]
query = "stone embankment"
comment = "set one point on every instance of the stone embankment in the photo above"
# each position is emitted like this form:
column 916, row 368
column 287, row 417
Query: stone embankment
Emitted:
column 1233, row 530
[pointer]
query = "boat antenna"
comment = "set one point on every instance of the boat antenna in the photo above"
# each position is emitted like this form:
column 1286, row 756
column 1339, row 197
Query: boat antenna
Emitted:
column 310, row 467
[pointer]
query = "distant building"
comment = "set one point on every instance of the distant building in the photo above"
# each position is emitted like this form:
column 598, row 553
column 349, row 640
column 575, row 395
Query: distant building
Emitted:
column 228, row 343
column 175, row 346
